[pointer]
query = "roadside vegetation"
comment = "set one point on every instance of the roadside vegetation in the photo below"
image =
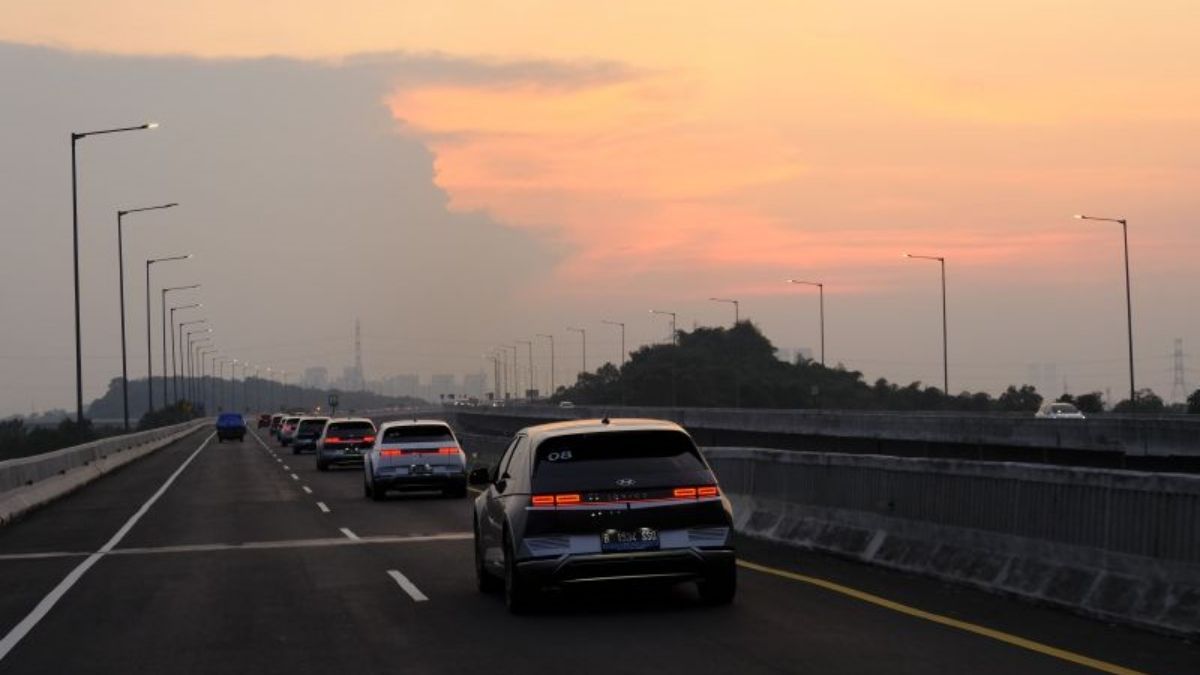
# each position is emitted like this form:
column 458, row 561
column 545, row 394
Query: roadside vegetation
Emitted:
column 737, row 367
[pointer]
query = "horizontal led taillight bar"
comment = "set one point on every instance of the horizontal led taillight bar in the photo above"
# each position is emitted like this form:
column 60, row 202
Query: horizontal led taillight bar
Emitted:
column 695, row 492
column 338, row 439
column 396, row 452
column 552, row 500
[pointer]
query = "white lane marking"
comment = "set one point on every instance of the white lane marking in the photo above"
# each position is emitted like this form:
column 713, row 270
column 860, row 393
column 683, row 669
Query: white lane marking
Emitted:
column 47, row 603
column 279, row 460
column 286, row 467
column 324, row 509
column 251, row 546
column 408, row 586
column 306, row 489
column 295, row 477
column 475, row 490
column 349, row 535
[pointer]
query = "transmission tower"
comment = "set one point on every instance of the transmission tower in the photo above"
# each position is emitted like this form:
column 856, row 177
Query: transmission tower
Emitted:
column 358, row 367
column 1178, row 386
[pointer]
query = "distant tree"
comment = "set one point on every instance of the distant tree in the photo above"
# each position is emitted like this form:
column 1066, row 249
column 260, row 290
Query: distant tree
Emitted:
column 1092, row 402
column 1147, row 402
column 1066, row 398
column 1193, row 403
column 1025, row 399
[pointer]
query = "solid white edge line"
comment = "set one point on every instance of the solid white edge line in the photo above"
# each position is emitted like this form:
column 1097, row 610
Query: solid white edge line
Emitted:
column 408, row 586
column 349, row 535
column 321, row 505
column 47, row 603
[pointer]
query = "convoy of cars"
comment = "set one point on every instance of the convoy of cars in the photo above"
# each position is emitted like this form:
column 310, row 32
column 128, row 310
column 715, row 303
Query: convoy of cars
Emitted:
column 567, row 504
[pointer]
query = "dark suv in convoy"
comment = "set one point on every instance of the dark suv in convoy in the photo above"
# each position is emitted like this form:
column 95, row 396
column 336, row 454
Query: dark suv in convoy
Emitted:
column 591, row 501
column 308, row 432
column 230, row 427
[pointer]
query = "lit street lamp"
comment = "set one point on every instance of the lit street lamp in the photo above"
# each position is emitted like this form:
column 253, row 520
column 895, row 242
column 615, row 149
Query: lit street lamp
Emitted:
column 945, row 362
column 821, row 291
column 75, row 137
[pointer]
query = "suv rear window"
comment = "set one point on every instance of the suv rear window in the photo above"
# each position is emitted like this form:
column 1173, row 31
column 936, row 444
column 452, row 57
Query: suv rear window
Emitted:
column 309, row 426
column 351, row 429
column 418, row 433
column 603, row 458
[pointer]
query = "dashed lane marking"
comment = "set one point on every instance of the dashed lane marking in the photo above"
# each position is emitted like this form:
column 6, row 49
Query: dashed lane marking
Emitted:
column 349, row 535
column 306, row 489
column 984, row 631
column 408, row 586
column 321, row 505
column 295, row 477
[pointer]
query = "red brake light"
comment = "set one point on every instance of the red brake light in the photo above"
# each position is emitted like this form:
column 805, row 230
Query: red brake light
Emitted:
column 368, row 439
column 684, row 493
column 552, row 500
column 391, row 453
column 333, row 439
column 448, row 451
column 567, row 499
column 707, row 491
column 543, row 500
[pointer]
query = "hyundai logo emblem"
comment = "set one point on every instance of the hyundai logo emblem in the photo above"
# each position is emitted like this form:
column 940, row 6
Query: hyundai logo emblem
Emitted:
column 626, row 482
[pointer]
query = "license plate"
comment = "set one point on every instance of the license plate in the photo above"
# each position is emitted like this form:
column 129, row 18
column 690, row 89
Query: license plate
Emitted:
column 421, row 470
column 642, row 539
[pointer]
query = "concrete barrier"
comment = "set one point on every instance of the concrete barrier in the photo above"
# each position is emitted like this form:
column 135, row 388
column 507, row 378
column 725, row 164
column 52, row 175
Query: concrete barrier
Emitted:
column 1119, row 545
column 29, row 482
column 1128, row 435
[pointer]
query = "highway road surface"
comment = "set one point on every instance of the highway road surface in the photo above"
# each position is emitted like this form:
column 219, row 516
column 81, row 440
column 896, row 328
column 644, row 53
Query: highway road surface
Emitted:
column 240, row 557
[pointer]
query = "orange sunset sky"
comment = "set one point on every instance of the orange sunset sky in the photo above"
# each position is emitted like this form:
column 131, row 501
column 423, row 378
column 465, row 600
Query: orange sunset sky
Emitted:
column 741, row 143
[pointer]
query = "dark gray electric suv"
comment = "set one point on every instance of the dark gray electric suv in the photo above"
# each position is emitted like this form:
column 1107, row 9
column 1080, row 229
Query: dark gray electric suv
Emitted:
column 593, row 501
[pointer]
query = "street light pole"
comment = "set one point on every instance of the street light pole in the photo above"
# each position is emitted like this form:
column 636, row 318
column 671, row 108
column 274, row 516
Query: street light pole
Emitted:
column 622, row 325
column 674, row 339
column 945, row 360
column 174, row 368
column 532, row 386
column 821, row 293
column 1128, row 301
column 582, row 334
column 186, row 366
column 551, row 339
column 736, row 311
column 75, row 138
column 163, row 313
column 121, row 288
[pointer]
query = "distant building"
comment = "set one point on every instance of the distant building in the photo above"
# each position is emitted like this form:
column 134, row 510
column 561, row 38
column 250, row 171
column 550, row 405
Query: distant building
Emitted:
column 440, row 385
column 315, row 378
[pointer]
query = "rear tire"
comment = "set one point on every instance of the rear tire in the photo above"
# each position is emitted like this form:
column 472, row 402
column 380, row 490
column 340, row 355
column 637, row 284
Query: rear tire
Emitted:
column 484, row 580
column 367, row 491
column 720, row 587
column 517, row 596
column 322, row 466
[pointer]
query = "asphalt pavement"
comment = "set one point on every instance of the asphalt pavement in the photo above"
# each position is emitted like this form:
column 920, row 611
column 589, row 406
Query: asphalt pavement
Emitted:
column 241, row 557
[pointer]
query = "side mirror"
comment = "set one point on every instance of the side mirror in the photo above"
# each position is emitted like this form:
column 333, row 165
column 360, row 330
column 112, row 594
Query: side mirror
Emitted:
column 479, row 476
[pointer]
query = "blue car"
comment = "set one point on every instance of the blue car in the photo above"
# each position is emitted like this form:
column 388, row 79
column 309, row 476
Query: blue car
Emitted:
column 230, row 426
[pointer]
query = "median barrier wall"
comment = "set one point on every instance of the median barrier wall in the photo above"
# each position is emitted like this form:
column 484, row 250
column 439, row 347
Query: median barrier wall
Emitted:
column 29, row 482
column 1120, row 545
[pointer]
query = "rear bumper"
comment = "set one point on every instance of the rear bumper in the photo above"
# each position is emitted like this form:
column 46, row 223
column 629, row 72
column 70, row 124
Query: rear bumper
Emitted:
column 428, row 482
column 332, row 457
column 304, row 443
column 671, row 565
column 230, row 434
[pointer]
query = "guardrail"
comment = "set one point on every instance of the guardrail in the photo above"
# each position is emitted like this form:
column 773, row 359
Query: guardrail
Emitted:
column 882, row 432
column 27, row 471
column 1121, row 545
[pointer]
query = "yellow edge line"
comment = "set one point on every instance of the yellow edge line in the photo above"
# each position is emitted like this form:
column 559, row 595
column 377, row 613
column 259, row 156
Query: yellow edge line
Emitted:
column 992, row 633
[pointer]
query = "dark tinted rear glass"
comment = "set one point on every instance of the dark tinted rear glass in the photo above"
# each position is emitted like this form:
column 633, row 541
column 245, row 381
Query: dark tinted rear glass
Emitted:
column 312, row 425
column 419, row 433
column 355, row 429
column 606, row 457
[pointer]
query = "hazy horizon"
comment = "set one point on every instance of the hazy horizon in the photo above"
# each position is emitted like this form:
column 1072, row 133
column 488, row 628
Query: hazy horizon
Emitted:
column 458, row 179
